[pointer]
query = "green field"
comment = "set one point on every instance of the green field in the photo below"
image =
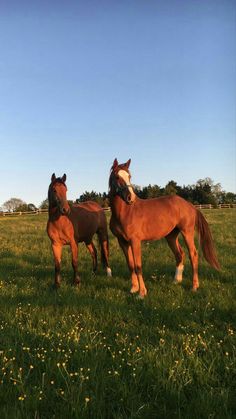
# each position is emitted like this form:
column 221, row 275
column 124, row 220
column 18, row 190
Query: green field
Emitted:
column 98, row 352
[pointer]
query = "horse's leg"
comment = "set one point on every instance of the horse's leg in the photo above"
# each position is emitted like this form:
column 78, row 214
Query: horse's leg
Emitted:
column 105, row 256
column 125, row 246
column 189, row 239
column 173, row 242
column 104, row 244
column 136, row 250
column 57, row 251
column 93, row 252
column 74, row 252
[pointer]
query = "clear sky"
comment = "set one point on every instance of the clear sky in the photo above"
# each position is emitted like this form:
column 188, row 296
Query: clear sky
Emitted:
column 83, row 82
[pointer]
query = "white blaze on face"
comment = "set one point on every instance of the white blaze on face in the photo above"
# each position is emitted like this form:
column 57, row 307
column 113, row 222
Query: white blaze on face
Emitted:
column 126, row 177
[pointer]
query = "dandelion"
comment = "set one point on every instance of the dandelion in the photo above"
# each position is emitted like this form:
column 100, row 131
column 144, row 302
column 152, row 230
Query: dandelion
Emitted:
column 87, row 399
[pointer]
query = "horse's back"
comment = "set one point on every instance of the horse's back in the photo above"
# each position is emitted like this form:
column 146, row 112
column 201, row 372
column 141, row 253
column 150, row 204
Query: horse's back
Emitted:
column 87, row 218
column 89, row 206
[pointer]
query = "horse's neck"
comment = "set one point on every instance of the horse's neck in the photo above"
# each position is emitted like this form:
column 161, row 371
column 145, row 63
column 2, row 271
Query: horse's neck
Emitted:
column 119, row 208
column 53, row 213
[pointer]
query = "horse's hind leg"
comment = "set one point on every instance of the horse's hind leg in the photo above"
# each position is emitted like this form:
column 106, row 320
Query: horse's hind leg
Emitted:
column 189, row 239
column 57, row 251
column 93, row 252
column 173, row 242
column 105, row 256
column 104, row 244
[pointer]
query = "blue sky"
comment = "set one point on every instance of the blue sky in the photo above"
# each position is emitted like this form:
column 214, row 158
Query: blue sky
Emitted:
column 83, row 82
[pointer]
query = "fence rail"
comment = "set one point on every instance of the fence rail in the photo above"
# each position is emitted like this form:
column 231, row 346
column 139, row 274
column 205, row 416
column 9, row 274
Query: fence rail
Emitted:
column 18, row 213
column 210, row 206
column 43, row 211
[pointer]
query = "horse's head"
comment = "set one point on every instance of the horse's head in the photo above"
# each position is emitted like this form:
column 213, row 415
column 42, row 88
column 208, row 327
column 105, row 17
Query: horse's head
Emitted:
column 119, row 182
column 57, row 194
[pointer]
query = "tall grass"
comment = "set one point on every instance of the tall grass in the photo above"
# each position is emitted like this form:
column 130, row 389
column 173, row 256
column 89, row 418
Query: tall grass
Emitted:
column 98, row 352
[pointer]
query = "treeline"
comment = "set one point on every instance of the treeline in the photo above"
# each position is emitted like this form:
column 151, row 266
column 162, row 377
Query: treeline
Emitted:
column 203, row 192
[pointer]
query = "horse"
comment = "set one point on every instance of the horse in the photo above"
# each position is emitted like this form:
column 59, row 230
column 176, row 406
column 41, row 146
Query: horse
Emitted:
column 72, row 224
column 134, row 220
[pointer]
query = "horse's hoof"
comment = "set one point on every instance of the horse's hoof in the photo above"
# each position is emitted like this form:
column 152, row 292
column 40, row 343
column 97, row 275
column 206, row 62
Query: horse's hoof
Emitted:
column 76, row 283
column 109, row 272
column 176, row 282
column 134, row 290
column 141, row 296
column 56, row 286
column 194, row 289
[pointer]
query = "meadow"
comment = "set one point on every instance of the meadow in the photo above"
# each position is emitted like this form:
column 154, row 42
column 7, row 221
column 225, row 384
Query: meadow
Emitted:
column 98, row 352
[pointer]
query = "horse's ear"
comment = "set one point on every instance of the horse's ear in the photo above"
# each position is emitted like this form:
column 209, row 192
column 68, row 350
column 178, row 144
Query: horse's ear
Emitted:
column 115, row 164
column 128, row 163
column 53, row 177
column 63, row 178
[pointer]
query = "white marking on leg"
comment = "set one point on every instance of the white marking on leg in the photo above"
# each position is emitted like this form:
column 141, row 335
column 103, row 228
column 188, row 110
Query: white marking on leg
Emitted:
column 109, row 272
column 179, row 274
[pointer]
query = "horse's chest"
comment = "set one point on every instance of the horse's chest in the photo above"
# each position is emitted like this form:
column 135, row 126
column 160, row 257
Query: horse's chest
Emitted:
column 118, row 229
column 60, row 231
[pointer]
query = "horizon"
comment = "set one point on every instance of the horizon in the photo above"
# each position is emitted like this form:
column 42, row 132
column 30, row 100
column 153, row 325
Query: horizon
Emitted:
column 84, row 83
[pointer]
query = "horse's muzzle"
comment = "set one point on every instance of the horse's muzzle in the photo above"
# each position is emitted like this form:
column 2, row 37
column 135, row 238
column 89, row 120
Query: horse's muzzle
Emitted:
column 65, row 211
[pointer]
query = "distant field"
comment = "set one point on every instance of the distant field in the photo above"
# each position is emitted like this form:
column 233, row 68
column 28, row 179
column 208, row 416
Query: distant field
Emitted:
column 98, row 352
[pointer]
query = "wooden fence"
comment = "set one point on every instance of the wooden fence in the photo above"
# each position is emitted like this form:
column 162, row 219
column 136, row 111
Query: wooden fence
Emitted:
column 210, row 206
column 18, row 213
column 43, row 211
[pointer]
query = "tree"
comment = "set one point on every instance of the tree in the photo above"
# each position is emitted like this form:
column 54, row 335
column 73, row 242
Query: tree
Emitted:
column 228, row 198
column 44, row 204
column 31, row 207
column 12, row 204
column 150, row 191
column 171, row 188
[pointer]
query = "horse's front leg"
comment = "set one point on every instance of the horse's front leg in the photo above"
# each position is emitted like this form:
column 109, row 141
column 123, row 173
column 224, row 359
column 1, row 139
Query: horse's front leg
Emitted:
column 136, row 250
column 57, row 251
column 125, row 246
column 74, row 252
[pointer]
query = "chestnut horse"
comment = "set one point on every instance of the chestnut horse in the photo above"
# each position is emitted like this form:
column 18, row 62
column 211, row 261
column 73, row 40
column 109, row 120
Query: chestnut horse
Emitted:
column 71, row 224
column 134, row 220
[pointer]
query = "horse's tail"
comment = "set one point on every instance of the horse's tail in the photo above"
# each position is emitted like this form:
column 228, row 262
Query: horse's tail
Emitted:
column 206, row 241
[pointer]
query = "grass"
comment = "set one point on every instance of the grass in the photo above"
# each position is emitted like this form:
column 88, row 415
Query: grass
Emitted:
column 98, row 352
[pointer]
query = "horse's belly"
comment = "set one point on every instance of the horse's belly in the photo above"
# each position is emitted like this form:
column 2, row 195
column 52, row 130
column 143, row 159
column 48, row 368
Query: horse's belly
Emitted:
column 156, row 231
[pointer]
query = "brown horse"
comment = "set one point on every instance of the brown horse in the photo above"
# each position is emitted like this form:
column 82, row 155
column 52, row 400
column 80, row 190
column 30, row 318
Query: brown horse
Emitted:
column 134, row 219
column 71, row 224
